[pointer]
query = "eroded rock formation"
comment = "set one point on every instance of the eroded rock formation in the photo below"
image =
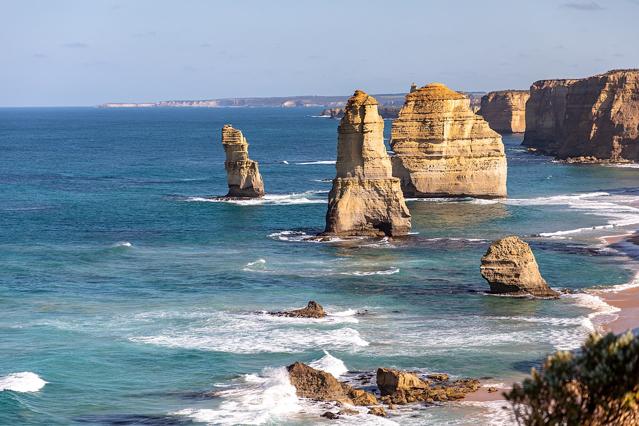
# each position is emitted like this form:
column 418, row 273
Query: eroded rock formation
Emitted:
column 322, row 386
column 443, row 149
column 242, row 174
column 505, row 110
column 365, row 198
column 586, row 120
column 312, row 310
column 510, row 267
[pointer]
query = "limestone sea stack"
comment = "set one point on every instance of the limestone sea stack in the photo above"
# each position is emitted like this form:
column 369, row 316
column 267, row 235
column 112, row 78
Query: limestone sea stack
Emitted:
column 505, row 110
column 444, row 149
column 242, row 174
column 510, row 267
column 595, row 119
column 365, row 200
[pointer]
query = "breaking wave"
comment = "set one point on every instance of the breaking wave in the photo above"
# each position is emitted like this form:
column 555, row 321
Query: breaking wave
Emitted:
column 25, row 381
column 307, row 197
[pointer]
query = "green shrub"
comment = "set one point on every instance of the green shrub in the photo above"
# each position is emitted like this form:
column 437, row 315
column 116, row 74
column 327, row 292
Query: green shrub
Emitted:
column 597, row 385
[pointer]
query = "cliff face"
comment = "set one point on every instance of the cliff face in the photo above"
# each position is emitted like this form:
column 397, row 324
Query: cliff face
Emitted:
column 365, row 198
column 443, row 149
column 591, row 119
column 505, row 110
column 242, row 174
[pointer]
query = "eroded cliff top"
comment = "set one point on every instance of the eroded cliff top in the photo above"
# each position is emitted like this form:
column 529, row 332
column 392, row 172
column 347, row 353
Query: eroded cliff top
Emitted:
column 434, row 92
column 361, row 98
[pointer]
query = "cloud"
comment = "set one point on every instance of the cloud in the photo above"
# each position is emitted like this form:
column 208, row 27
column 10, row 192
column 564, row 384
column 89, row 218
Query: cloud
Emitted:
column 39, row 55
column 76, row 45
column 206, row 45
column 588, row 6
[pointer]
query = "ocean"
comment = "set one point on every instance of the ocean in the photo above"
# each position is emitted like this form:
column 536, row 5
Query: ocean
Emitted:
column 131, row 296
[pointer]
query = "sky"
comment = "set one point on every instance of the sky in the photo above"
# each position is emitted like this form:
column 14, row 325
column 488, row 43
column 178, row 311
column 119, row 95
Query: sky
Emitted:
column 79, row 52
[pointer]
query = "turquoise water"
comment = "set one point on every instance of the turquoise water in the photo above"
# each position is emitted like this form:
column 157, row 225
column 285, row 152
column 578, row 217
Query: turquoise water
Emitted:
column 132, row 293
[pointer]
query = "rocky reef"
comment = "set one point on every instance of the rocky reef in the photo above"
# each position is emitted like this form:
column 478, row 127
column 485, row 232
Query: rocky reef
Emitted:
column 365, row 200
column 242, row 174
column 394, row 387
column 510, row 267
column 505, row 110
column 595, row 119
column 312, row 310
column 442, row 148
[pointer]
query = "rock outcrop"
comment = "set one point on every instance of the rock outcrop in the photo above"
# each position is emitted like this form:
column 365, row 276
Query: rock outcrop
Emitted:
column 586, row 120
column 242, row 174
column 442, row 148
column 312, row 310
column 384, row 111
column 509, row 266
column 401, row 387
column 365, row 198
column 322, row 386
column 505, row 110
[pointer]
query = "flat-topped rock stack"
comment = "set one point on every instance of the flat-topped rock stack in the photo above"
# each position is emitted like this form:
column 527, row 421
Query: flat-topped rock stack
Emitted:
column 442, row 148
column 242, row 174
column 365, row 199
column 595, row 119
column 505, row 110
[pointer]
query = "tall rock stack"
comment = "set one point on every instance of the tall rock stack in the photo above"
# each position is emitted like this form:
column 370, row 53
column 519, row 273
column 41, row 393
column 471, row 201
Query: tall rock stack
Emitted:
column 242, row 174
column 442, row 148
column 505, row 110
column 588, row 120
column 365, row 199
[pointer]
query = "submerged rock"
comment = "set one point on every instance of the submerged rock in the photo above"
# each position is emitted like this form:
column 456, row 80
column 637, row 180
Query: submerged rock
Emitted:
column 365, row 198
column 242, row 174
column 595, row 119
column 510, row 267
column 505, row 110
column 312, row 310
column 442, row 148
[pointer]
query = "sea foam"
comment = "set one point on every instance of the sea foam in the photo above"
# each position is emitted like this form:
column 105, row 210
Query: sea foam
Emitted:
column 330, row 364
column 307, row 197
column 25, row 381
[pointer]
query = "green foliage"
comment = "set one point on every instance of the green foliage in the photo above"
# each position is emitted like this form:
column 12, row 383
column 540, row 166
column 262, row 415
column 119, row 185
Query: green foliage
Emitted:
column 597, row 385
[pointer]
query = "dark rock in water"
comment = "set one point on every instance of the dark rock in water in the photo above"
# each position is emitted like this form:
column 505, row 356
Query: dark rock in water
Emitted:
column 510, row 267
column 312, row 310
column 330, row 415
column 322, row 386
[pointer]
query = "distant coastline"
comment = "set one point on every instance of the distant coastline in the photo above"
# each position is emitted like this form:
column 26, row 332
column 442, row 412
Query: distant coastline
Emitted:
column 311, row 101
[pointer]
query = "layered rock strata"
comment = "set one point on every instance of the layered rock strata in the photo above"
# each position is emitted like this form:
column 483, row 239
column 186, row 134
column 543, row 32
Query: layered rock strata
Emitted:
column 442, row 148
column 365, row 198
column 595, row 119
column 242, row 174
column 510, row 267
column 505, row 110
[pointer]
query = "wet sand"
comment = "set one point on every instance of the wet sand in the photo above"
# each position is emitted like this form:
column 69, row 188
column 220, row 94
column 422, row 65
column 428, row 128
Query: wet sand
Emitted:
column 628, row 316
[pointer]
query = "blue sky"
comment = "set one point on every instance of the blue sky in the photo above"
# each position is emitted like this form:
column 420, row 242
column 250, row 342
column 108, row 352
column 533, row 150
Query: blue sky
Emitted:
column 78, row 52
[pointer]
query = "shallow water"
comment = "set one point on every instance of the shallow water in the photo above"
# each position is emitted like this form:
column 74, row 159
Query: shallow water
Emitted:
column 131, row 292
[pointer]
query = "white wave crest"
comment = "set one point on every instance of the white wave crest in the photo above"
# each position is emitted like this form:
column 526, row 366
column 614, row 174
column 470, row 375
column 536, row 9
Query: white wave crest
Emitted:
column 254, row 333
column 307, row 197
column 330, row 364
column 602, row 312
column 123, row 244
column 307, row 163
column 389, row 271
column 25, row 381
column 255, row 266
column 258, row 399
column 633, row 283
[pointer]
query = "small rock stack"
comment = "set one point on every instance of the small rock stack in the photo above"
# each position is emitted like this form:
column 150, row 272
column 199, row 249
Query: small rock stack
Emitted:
column 242, row 174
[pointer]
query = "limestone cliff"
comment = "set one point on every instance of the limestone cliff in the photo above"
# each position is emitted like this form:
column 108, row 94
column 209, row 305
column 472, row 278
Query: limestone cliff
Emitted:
column 505, row 110
column 242, row 174
column 443, row 149
column 365, row 199
column 591, row 119
column 510, row 267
